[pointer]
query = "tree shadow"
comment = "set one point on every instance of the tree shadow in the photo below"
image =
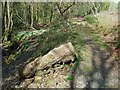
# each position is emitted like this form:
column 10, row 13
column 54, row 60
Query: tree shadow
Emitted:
column 34, row 47
column 102, row 67
column 73, row 72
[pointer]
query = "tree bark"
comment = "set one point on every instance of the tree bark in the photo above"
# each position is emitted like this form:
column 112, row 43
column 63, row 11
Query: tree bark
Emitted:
column 31, row 7
column 62, row 53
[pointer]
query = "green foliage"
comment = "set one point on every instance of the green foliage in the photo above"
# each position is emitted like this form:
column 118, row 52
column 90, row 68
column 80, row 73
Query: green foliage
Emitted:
column 91, row 19
column 104, row 6
column 42, row 41
column 7, row 43
column 70, row 77
column 10, row 59
column 24, row 35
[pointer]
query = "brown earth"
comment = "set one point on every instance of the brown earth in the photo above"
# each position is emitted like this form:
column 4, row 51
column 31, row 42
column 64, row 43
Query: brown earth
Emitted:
column 99, row 68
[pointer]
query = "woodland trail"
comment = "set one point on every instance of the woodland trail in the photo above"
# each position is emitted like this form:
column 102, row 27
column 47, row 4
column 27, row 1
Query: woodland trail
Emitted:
column 98, row 69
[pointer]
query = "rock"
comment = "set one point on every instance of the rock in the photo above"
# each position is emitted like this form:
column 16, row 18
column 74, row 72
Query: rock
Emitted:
column 63, row 53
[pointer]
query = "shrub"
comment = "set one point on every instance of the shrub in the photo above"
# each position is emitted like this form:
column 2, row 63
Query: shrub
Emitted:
column 91, row 19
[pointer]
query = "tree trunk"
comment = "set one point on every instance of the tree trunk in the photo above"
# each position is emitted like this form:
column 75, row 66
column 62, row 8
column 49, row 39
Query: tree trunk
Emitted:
column 31, row 7
column 62, row 53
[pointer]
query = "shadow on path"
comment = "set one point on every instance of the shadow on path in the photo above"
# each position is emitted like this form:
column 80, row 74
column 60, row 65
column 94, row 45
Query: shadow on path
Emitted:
column 102, row 65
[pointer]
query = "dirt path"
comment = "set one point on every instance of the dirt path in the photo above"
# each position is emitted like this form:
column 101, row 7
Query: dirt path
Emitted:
column 108, row 19
column 98, row 69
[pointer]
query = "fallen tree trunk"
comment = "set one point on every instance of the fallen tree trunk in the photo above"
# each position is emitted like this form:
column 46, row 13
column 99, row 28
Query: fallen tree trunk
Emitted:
column 62, row 53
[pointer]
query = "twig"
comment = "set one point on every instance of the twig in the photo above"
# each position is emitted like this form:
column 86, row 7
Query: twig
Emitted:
column 21, row 20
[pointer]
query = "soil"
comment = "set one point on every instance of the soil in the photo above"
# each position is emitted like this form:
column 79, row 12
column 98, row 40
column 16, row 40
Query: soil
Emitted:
column 99, row 68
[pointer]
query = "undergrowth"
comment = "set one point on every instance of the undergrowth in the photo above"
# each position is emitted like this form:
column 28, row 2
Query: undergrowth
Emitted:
column 40, row 45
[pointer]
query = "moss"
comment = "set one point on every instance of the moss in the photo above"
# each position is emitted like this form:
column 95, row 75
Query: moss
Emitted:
column 10, row 59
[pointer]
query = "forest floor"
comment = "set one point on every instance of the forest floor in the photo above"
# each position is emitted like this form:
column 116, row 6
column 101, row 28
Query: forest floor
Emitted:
column 99, row 67
column 108, row 19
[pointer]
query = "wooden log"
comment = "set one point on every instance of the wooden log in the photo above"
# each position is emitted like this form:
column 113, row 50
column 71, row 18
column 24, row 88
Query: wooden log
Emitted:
column 62, row 53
